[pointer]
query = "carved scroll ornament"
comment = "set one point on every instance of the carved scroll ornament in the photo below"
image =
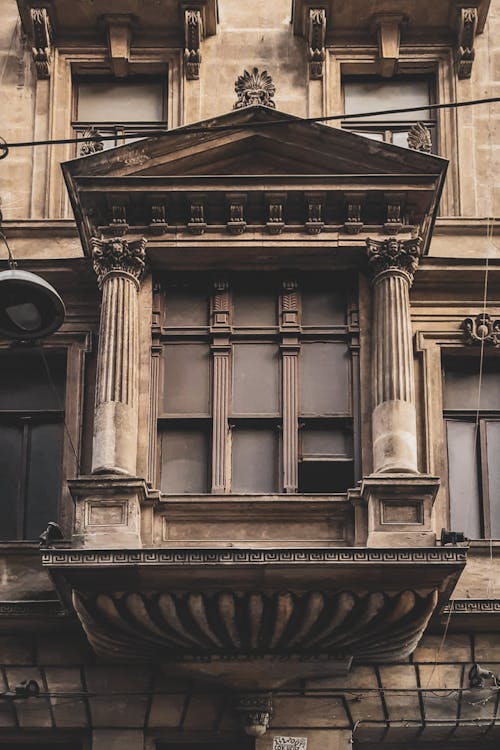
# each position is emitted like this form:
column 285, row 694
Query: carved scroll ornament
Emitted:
column 467, row 27
column 481, row 330
column 42, row 41
column 394, row 255
column 254, row 88
column 193, row 35
column 419, row 138
column 118, row 255
column 316, row 34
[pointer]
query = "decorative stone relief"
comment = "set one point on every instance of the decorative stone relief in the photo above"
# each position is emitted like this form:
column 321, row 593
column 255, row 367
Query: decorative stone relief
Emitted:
column 220, row 304
column 90, row 144
column 315, row 202
column 159, row 222
column 42, row 41
column 118, row 255
column 118, row 225
column 289, row 304
column 419, row 138
column 354, row 206
column 193, row 36
column 481, row 330
column 254, row 88
column 289, row 743
column 393, row 221
column 467, row 27
column 255, row 712
column 316, row 34
column 393, row 254
column 236, row 206
column 275, row 207
column 197, row 223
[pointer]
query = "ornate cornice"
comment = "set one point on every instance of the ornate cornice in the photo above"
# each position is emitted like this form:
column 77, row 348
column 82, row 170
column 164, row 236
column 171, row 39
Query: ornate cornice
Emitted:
column 394, row 255
column 119, row 256
column 254, row 88
column 472, row 607
column 197, row 557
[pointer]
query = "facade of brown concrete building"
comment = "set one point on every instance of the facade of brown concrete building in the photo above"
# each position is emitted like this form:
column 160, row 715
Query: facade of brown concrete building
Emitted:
column 276, row 383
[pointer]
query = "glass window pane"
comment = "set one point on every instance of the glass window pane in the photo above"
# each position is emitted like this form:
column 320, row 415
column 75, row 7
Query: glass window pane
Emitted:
column 10, row 477
column 255, row 379
column 323, row 308
column 463, row 478
column 461, row 383
column 44, row 477
column 25, row 384
column 254, row 307
column 186, row 307
column 400, row 138
column 324, row 379
column 370, row 135
column 372, row 95
column 318, row 441
column 492, row 455
column 184, row 461
column 187, row 379
column 325, row 476
column 254, row 460
column 120, row 101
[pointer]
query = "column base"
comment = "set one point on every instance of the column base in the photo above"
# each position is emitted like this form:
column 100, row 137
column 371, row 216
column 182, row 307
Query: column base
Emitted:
column 399, row 509
column 107, row 511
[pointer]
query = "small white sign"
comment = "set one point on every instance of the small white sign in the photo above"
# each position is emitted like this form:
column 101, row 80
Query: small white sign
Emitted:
column 289, row 743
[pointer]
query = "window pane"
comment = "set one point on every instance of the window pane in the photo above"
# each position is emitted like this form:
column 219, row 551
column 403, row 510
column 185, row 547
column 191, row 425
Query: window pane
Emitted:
column 255, row 460
column 255, row 379
column 120, row 101
column 254, row 308
column 493, row 453
column 44, row 477
column 323, row 308
column 325, row 476
column 461, row 383
column 463, row 478
column 187, row 381
column 370, row 96
column 10, row 475
column 318, row 441
column 184, row 461
column 25, row 384
column 186, row 307
column 370, row 135
column 324, row 378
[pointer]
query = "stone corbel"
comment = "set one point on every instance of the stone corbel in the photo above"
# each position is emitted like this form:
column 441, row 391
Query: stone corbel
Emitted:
column 316, row 35
column 354, row 207
column 193, row 36
column 42, row 41
column 388, row 28
column 315, row 212
column 236, row 203
column 119, row 33
column 394, row 207
column 118, row 225
column 467, row 28
column 255, row 712
column 197, row 223
column 275, row 208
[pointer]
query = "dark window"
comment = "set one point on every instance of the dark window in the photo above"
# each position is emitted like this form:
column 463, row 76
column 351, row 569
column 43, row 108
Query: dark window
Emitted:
column 472, row 417
column 119, row 107
column 31, row 441
column 370, row 94
column 233, row 416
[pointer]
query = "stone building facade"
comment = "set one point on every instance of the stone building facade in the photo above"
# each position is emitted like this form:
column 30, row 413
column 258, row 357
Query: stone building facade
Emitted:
column 276, row 382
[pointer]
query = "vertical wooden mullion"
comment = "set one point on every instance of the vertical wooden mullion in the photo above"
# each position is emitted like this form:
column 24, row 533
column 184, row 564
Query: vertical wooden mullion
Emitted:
column 483, row 474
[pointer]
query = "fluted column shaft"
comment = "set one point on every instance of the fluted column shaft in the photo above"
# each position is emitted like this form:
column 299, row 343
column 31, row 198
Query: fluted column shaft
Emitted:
column 220, row 413
column 290, row 418
column 119, row 266
column 393, row 264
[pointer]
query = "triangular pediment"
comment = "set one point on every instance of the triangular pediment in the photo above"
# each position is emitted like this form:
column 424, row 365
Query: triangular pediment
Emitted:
column 256, row 140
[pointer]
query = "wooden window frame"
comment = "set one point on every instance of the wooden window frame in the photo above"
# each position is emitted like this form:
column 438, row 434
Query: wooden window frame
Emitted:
column 221, row 342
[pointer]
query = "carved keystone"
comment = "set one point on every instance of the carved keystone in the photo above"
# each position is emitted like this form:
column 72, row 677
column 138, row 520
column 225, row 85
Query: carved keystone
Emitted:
column 255, row 713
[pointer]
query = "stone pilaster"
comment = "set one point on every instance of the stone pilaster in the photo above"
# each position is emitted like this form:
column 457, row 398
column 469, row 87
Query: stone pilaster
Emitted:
column 289, row 324
column 399, row 499
column 393, row 263
column 221, row 353
column 119, row 266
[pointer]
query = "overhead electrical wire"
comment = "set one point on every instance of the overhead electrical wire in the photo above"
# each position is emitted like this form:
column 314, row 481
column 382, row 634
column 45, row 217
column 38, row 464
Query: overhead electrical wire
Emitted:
column 200, row 128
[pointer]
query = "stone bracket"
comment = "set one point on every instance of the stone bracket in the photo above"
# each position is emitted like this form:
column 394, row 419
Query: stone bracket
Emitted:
column 193, row 36
column 236, row 203
column 275, row 212
column 399, row 509
column 315, row 212
column 197, row 223
column 388, row 29
column 158, row 224
column 354, row 207
column 42, row 41
column 316, row 35
column 467, row 29
column 394, row 219
column 119, row 34
column 255, row 712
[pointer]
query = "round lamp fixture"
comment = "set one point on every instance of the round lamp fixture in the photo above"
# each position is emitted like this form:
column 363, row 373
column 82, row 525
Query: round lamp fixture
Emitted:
column 30, row 308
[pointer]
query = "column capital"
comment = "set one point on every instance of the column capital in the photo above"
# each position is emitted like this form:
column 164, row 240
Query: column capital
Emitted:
column 119, row 256
column 393, row 254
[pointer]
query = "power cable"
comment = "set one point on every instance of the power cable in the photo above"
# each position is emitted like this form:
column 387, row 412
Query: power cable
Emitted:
column 5, row 146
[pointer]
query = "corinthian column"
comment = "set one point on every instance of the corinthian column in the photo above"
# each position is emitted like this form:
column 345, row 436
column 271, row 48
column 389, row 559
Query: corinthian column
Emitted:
column 119, row 266
column 393, row 263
